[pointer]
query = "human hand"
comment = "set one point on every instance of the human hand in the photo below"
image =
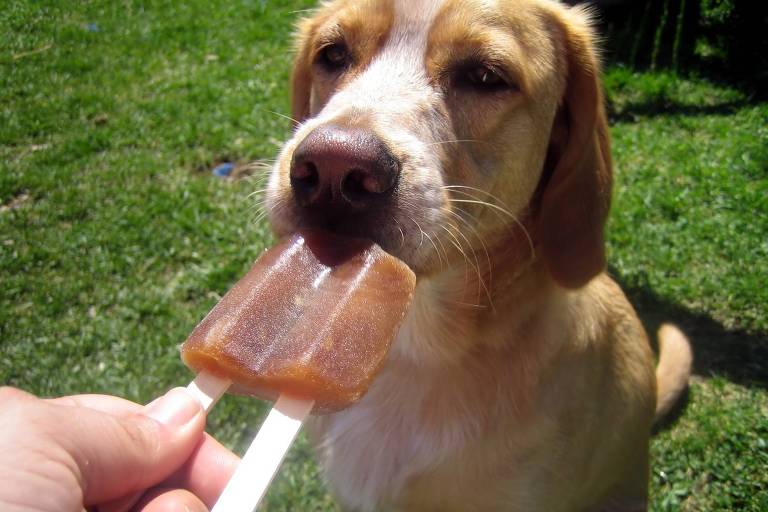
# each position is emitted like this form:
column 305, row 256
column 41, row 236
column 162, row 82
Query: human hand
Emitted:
column 105, row 453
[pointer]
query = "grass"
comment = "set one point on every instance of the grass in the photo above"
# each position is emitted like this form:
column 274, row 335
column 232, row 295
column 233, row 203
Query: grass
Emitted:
column 115, row 239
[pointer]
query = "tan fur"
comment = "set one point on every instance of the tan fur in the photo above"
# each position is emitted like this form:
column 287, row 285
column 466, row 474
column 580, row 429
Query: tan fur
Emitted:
column 522, row 378
column 364, row 23
column 675, row 365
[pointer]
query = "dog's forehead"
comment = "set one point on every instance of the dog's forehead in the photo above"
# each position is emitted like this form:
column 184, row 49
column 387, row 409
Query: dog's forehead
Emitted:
column 411, row 24
column 417, row 14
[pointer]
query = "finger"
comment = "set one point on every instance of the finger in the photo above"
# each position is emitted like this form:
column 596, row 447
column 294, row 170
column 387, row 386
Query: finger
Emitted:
column 10, row 394
column 170, row 500
column 117, row 455
column 110, row 405
column 205, row 474
column 123, row 504
column 103, row 403
column 207, row 471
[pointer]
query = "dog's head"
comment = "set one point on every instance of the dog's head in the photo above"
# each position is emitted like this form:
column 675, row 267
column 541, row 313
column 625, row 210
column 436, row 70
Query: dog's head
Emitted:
column 448, row 126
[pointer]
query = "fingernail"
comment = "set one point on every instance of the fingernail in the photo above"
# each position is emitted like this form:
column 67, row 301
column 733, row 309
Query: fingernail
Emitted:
column 175, row 408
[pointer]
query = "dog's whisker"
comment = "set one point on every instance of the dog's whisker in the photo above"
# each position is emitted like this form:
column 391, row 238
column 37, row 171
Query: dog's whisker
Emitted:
column 418, row 226
column 258, row 209
column 437, row 251
column 469, row 244
column 501, row 210
column 445, row 251
column 272, row 209
column 465, row 304
column 282, row 115
column 258, row 176
column 481, row 280
column 259, row 203
column 477, row 200
column 467, row 262
column 402, row 234
column 258, row 206
column 500, row 207
column 421, row 231
column 425, row 234
column 261, row 162
column 459, row 188
column 476, row 266
column 257, row 192
column 454, row 141
column 260, row 217
column 413, row 207
column 279, row 203
column 258, row 170
column 477, row 235
column 516, row 222
column 256, row 183
column 457, row 213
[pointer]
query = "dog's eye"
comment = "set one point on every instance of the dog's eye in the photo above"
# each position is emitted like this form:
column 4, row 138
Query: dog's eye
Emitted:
column 481, row 75
column 334, row 57
column 482, row 78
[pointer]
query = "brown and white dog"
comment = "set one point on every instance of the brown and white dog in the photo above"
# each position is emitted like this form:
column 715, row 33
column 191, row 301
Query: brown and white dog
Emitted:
column 468, row 138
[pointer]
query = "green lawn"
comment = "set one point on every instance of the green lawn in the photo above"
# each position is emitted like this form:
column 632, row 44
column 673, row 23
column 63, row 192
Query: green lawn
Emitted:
column 115, row 239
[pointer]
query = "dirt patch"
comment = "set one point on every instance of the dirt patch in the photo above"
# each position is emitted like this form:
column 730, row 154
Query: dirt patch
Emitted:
column 15, row 202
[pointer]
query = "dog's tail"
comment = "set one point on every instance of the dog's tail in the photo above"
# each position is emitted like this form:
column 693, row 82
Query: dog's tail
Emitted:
column 673, row 370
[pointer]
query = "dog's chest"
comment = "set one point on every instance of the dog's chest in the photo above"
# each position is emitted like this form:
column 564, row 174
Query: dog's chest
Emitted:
column 413, row 422
column 425, row 415
column 370, row 451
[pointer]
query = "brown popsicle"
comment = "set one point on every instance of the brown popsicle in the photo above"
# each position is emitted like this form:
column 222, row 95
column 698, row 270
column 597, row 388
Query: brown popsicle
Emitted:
column 313, row 318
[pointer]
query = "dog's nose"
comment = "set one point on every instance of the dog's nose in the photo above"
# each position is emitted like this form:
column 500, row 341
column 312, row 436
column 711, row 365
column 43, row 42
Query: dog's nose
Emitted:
column 342, row 167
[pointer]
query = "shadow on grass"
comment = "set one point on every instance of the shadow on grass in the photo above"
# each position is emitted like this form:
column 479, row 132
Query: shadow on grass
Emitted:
column 739, row 356
column 633, row 112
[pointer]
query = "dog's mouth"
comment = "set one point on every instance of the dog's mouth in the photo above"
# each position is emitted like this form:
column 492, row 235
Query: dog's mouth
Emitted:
column 378, row 225
column 396, row 225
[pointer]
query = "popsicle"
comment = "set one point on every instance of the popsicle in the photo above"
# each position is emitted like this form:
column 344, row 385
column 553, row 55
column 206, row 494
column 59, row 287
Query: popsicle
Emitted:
column 313, row 318
column 310, row 324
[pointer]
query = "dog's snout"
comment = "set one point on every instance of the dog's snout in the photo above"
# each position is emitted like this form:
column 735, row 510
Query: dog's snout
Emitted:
column 344, row 167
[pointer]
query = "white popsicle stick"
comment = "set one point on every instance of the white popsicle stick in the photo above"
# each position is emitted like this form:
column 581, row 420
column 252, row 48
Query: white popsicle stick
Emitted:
column 208, row 389
column 260, row 462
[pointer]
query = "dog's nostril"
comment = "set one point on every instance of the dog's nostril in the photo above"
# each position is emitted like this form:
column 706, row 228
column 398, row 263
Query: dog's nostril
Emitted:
column 359, row 184
column 304, row 171
column 305, row 178
column 378, row 181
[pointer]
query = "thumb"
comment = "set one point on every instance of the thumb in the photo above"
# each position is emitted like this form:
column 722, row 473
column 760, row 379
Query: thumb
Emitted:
column 116, row 455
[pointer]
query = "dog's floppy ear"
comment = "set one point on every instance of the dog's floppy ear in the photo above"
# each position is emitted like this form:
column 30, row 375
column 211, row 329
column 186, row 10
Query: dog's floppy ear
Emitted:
column 577, row 178
column 301, row 76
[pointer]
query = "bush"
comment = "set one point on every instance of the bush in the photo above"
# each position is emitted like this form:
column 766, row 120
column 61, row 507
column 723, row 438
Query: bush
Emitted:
column 718, row 38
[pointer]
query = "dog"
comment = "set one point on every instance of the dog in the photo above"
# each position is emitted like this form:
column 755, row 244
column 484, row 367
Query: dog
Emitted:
column 469, row 139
